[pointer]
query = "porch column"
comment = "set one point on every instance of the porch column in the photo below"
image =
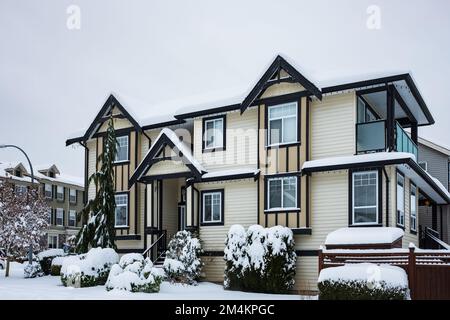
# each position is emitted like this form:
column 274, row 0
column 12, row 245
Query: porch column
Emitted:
column 414, row 133
column 390, row 121
column 434, row 217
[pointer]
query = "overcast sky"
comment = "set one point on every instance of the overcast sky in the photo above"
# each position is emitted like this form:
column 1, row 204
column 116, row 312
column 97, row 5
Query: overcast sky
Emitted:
column 53, row 80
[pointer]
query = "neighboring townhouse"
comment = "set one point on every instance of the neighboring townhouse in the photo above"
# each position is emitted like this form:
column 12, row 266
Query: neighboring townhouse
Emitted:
column 65, row 195
column 435, row 159
column 285, row 153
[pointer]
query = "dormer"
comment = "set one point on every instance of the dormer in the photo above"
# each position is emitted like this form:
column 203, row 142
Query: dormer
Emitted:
column 50, row 171
column 17, row 170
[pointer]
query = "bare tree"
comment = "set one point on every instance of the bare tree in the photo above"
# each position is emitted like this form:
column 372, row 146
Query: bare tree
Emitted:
column 23, row 221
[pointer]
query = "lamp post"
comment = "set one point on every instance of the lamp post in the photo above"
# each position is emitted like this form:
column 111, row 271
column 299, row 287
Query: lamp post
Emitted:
column 3, row 146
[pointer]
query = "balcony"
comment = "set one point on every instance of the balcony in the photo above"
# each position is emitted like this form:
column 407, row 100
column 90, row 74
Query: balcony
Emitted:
column 372, row 137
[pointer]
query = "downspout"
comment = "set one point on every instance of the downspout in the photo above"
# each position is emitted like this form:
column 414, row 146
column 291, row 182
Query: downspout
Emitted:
column 387, row 196
column 86, row 163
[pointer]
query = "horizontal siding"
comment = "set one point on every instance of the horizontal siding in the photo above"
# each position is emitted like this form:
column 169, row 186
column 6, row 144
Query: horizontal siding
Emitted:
column 329, row 208
column 437, row 163
column 240, row 208
column 333, row 126
column 167, row 167
column 241, row 142
column 306, row 274
column 213, row 269
column 282, row 88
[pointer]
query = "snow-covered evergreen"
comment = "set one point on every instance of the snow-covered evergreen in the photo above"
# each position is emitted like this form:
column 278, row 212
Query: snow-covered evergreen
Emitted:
column 99, row 212
column 182, row 263
column 260, row 259
column 23, row 221
column 134, row 273
column 90, row 269
column 32, row 270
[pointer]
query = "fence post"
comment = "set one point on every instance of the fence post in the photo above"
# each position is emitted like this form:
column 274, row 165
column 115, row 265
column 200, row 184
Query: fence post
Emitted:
column 412, row 271
column 320, row 259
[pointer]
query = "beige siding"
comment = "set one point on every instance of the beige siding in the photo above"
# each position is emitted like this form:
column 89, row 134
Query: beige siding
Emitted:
column 167, row 167
column 333, row 126
column 306, row 274
column 282, row 88
column 241, row 142
column 329, row 208
column 213, row 269
column 240, row 208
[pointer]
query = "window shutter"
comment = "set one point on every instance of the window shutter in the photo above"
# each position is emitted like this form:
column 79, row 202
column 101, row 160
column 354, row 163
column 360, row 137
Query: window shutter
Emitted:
column 64, row 193
column 54, row 191
column 63, row 217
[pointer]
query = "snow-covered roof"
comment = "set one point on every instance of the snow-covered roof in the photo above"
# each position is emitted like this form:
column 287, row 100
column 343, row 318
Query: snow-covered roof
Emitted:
column 230, row 172
column 355, row 159
column 61, row 178
column 364, row 235
column 438, row 147
column 11, row 165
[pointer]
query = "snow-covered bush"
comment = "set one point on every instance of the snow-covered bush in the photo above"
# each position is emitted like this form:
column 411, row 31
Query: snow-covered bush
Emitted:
column 182, row 263
column 134, row 273
column 32, row 270
column 55, row 268
column 46, row 257
column 89, row 269
column 364, row 281
column 260, row 260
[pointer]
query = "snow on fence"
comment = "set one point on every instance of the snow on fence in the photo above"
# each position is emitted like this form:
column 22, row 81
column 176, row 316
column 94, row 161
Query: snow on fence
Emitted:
column 428, row 270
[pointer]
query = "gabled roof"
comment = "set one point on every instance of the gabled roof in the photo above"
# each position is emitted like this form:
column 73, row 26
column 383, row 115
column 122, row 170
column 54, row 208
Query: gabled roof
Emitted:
column 277, row 65
column 102, row 116
column 167, row 138
column 45, row 168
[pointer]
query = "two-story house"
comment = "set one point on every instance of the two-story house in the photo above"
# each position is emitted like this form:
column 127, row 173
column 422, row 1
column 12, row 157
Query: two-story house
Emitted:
column 64, row 195
column 435, row 159
column 285, row 153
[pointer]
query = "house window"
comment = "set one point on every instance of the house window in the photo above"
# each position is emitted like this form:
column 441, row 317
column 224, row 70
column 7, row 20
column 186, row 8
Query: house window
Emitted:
column 122, row 149
column 18, row 173
column 214, row 133
column 50, row 212
column 282, row 124
column 48, row 191
column 282, row 193
column 73, row 196
column 365, row 197
column 21, row 190
column 424, row 165
column 365, row 113
column 212, row 207
column 121, row 211
column 400, row 200
column 52, row 241
column 413, row 208
column 72, row 218
column 59, row 217
column 60, row 193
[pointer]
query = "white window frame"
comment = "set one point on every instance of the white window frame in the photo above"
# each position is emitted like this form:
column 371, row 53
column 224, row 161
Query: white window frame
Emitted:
column 413, row 214
column 377, row 221
column 52, row 236
column 215, row 146
column 426, row 165
column 74, row 213
column 128, row 149
column 51, row 190
column 125, row 195
column 269, row 180
column 59, row 210
column 20, row 189
column 400, row 214
column 269, row 142
column 212, row 193
column 70, row 195
column 58, row 193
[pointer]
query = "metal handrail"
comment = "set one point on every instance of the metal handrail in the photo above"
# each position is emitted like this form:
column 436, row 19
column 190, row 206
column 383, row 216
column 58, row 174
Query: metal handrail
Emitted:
column 432, row 235
column 155, row 243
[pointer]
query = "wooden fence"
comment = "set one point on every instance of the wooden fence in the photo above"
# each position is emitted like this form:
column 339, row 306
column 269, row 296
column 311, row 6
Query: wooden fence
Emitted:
column 428, row 270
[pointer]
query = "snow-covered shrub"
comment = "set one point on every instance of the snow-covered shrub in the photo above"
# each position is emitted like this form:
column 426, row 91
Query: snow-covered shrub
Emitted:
column 32, row 270
column 182, row 263
column 89, row 269
column 364, row 281
column 134, row 273
column 55, row 268
column 46, row 257
column 260, row 260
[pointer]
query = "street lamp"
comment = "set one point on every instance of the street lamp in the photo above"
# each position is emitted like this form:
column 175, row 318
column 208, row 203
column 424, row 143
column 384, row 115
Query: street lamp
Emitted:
column 3, row 146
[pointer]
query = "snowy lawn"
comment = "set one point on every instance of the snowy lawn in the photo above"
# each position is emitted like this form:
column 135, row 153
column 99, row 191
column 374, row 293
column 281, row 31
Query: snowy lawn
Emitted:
column 48, row 288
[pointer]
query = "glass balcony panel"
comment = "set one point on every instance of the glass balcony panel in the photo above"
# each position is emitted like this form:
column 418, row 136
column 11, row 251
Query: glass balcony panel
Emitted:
column 371, row 136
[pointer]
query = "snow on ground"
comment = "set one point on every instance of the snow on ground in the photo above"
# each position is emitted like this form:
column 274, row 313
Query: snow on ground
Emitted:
column 50, row 288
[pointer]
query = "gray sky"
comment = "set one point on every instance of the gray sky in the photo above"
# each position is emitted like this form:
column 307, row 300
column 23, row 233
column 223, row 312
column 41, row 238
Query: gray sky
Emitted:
column 54, row 80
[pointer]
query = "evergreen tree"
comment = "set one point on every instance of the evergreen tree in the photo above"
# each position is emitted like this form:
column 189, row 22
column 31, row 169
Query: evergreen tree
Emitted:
column 100, row 212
